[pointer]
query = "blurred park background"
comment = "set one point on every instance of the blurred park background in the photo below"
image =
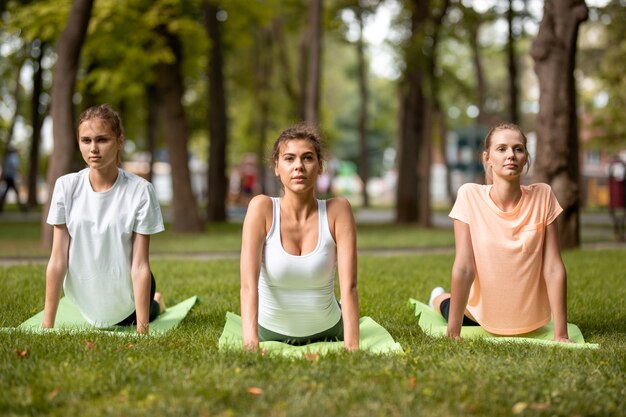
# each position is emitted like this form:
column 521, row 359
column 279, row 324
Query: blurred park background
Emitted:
column 403, row 91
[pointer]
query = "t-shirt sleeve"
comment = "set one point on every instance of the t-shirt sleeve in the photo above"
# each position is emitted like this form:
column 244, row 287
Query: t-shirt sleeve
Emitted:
column 148, row 220
column 553, row 206
column 56, row 214
column 459, row 210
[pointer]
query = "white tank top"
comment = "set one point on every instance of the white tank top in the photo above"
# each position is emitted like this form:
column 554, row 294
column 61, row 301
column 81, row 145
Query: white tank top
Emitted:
column 296, row 293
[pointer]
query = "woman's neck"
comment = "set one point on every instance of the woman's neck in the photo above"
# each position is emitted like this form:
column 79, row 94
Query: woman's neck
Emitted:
column 299, row 206
column 505, row 193
column 102, row 180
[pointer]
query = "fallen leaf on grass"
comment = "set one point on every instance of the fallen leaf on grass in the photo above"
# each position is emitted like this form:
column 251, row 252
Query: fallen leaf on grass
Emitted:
column 21, row 354
column 539, row 406
column 311, row 356
column 256, row 391
column 412, row 382
column 89, row 344
column 54, row 393
column 519, row 407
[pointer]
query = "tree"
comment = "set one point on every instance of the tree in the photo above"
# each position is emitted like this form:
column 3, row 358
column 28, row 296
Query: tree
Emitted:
column 37, row 113
column 414, row 129
column 512, row 66
column 363, row 169
column 312, row 96
column 218, row 128
column 68, row 53
column 554, row 53
column 170, row 90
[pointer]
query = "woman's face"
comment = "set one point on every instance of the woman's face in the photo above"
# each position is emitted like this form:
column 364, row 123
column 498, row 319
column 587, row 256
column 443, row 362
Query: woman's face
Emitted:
column 298, row 165
column 98, row 145
column 507, row 155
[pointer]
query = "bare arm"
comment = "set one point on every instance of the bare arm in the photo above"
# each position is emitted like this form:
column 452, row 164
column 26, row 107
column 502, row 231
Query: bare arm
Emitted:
column 252, row 240
column 556, row 282
column 462, row 278
column 140, row 274
column 345, row 237
column 55, row 273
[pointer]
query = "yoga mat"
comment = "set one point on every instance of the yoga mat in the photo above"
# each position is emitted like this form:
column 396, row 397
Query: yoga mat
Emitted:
column 434, row 324
column 69, row 320
column 373, row 338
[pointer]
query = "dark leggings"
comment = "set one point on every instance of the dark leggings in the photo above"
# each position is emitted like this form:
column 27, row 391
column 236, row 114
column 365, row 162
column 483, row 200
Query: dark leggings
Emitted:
column 155, row 309
column 333, row 334
column 445, row 312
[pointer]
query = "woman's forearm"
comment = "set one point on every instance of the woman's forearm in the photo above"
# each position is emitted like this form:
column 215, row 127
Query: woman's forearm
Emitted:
column 250, row 317
column 459, row 293
column 55, row 273
column 350, row 315
column 141, row 287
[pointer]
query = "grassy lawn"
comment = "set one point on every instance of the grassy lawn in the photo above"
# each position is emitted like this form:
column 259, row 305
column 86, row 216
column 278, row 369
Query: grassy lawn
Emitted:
column 21, row 239
column 183, row 373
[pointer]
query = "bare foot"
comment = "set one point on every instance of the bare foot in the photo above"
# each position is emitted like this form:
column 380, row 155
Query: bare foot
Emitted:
column 159, row 299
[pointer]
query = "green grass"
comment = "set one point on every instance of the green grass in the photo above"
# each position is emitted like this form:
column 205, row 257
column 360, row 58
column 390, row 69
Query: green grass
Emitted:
column 21, row 239
column 183, row 373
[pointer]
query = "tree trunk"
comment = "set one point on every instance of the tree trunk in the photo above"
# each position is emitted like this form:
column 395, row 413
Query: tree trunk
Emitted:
column 513, row 90
column 285, row 69
column 554, row 53
column 481, row 85
column 264, row 70
column 151, row 126
column 68, row 53
column 411, row 116
column 312, row 97
column 16, row 113
column 218, row 128
column 364, row 171
column 170, row 91
column 37, row 49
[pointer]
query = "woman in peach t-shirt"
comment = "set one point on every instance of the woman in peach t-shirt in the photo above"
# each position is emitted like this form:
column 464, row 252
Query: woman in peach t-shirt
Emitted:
column 508, row 276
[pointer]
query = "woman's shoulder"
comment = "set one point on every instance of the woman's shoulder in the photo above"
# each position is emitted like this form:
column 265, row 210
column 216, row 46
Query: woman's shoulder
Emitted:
column 337, row 204
column 260, row 204
column 133, row 178
column 68, row 180
column 339, row 208
column 471, row 188
column 538, row 188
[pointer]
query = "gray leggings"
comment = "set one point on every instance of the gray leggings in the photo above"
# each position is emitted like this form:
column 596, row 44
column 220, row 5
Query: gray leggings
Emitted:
column 333, row 334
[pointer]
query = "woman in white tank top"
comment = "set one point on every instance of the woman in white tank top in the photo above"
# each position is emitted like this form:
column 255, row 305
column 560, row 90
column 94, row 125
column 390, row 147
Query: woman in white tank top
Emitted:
column 290, row 249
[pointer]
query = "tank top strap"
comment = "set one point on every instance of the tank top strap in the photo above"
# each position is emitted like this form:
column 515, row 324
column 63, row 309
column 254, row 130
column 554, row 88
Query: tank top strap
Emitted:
column 275, row 228
column 324, row 226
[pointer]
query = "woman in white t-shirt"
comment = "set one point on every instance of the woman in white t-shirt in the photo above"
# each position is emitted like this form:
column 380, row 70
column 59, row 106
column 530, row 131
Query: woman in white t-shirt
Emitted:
column 508, row 275
column 290, row 249
column 103, row 217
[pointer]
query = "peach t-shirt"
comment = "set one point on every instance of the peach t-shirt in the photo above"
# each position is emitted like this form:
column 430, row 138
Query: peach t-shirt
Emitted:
column 509, row 294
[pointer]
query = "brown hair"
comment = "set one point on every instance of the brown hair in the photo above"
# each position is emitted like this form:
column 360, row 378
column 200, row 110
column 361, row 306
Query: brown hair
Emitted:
column 109, row 117
column 507, row 126
column 304, row 131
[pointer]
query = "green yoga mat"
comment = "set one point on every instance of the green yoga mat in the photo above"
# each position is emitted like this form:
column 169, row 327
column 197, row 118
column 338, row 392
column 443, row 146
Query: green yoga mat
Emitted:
column 373, row 338
column 434, row 324
column 69, row 320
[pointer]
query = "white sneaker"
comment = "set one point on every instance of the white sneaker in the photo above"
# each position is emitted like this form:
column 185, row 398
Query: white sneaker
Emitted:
column 436, row 292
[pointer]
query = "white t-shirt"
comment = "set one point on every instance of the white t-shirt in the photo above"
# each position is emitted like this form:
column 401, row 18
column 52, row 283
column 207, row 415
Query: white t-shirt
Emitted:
column 296, row 293
column 101, row 227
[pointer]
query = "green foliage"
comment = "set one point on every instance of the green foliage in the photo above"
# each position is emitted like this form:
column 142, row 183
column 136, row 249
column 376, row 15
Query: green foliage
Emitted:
column 601, row 60
column 183, row 373
column 38, row 20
